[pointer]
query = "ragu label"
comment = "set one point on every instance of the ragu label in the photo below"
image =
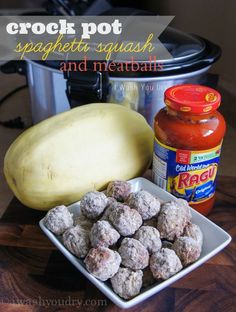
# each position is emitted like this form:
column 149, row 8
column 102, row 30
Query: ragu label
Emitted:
column 186, row 174
column 189, row 179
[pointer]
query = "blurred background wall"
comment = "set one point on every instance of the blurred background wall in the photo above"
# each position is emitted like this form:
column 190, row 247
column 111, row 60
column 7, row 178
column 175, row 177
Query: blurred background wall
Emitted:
column 212, row 19
column 17, row 4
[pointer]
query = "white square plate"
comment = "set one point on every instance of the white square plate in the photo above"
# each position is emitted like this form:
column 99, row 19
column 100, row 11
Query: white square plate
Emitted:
column 215, row 239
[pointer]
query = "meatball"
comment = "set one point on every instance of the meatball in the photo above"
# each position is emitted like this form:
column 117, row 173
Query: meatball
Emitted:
column 149, row 237
column 119, row 190
column 102, row 262
column 133, row 254
column 127, row 283
column 84, row 222
column 164, row 263
column 172, row 219
column 126, row 221
column 110, row 201
column 58, row 219
column 148, row 278
column 187, row 249
column 147, row 205
column 183, row 203
column 194, row 231
column 93, row 204
column 76, row 240
column 103, row 234
column 110, row 208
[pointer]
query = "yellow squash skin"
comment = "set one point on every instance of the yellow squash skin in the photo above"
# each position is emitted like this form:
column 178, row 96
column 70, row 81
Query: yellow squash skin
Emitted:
column 60, row 159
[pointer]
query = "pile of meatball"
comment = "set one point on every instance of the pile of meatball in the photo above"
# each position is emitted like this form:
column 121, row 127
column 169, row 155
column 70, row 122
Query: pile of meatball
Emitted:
column 132, row 239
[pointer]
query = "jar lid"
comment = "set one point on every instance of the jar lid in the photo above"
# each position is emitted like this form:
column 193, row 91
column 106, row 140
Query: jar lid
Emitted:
column 192, row 98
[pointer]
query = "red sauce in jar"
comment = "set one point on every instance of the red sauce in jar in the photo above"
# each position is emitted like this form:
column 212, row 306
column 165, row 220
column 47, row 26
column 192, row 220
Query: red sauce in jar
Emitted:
column 189, row 133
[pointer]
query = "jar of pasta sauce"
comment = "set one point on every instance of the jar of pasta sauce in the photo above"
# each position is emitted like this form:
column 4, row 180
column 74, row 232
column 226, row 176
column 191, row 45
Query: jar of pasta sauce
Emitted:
column 188, row 138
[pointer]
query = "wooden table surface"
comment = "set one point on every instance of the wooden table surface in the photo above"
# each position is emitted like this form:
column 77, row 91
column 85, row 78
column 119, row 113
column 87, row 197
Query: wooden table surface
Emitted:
column 37, row 277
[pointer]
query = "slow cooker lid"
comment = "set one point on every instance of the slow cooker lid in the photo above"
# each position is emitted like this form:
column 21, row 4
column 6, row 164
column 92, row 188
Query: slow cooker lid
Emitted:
column 182, row 46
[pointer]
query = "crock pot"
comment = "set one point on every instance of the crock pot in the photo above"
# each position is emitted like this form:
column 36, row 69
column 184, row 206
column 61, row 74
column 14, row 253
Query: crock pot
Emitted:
column 53, row 91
